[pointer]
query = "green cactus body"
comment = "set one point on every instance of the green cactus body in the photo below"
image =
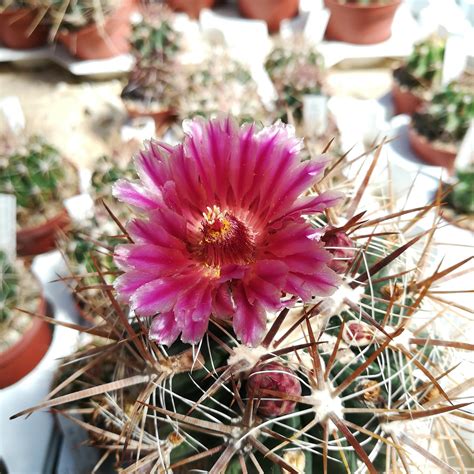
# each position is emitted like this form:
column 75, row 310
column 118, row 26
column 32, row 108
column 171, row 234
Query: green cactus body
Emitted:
column 461, row 197
column 422, row 70
column 36, row 176
column 447, row 117
column 296, row 69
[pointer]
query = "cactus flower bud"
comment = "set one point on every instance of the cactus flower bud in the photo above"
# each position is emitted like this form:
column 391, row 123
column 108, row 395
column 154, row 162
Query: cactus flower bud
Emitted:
column 273, row 376
column 342, row 248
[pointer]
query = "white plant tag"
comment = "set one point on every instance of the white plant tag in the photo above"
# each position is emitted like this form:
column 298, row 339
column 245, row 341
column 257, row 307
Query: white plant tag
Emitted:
column 465, row 157
column 8, row 225
column 80, row 207
column 140, row 128
column 455, row 58
column 11, row 108
column 316, row 24
column 315, row 114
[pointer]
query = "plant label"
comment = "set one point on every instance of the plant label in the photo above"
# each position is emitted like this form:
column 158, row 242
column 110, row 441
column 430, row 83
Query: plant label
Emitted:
column 8, row 225
column 315, row 114
column 455, row 58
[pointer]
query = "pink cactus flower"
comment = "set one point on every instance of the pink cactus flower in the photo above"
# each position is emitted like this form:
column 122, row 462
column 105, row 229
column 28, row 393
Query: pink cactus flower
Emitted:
column 276, row 377
column 221, row 230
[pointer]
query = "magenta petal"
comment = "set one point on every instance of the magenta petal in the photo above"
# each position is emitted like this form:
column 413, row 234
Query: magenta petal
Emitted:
column 322, row 283
column 249, row 320
column 164, row 329
column 135, row 195
column 153, row 233
column 158, row 296
column 129, row 282
column 313, row 205
column 222, row 305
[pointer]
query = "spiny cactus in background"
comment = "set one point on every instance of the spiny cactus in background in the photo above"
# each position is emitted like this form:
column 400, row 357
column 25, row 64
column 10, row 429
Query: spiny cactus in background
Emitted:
column 75, row 14
column 423, row 69
column 154, row 81
column 354, row 381
column 8, row 288
column 461, row 198
column 39, row 179
column 154, row 38
column 18, row 289
column 217, row 85
column 447, row 117
column 296, row 69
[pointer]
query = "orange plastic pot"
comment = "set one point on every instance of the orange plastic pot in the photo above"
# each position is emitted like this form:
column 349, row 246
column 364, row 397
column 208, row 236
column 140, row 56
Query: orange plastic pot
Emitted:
column 107, row 40
column 271, row 11
column 21, row 358
column 36, row 240
column 191, row 7
column 360, row 24
column 15, row 26
column 405, row 101
column 429, row 152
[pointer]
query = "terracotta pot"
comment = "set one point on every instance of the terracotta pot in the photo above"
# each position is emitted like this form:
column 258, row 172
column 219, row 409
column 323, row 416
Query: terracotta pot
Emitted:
column 272, row 11
column 405, row 101
column 21, row 358
column 429, row 152
column 161, row 117
column 360, row 24
column 191, row 7
column 15, row 29
column 101, row 41
column 42, row 238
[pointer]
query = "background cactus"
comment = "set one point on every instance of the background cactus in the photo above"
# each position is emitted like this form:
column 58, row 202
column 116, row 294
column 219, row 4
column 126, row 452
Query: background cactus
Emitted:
column 447, row 117
column 18, row 289
column 461, row 198
column 423, row 69
column 352, row 375
column 36, row 174
column 296, row 69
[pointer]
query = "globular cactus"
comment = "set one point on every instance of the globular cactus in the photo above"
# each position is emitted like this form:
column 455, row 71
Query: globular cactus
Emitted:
column 296, row 68
column 447, row 117
column 8, row 288
column 348, row 379
column 217, row 85
column 36, row 174
column 461, row 198
column 423, row 68
column 154, row 38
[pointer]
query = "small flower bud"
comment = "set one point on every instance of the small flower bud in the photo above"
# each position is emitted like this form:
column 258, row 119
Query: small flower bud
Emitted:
column 342, row 248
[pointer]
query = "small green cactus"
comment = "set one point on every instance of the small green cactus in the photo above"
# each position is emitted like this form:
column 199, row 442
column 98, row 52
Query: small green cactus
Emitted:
column 8, row 287
column 461, row 197
column 220, row 85
column 37, row 176
column 296, row 69
column 423, row 68
column 447, row 118
column 154, row 38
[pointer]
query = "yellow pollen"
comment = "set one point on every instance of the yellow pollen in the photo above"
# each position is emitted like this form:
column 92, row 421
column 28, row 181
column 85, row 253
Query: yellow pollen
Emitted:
column 217, row 224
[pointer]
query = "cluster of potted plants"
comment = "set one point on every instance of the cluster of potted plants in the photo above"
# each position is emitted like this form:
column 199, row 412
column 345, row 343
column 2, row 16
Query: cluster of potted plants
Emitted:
column 89, row 29
column 153, row 86
column 40, row 179
column 419, row 76
column 24, row 340
column 438, row 128
column 360, row 21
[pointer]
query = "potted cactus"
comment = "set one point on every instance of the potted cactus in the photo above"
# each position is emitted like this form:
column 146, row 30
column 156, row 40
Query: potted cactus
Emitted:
column 415, row 79
column 191, row 7
column 40, row 180
column 152, row 87
column 24, row 340
column 271, row 11
column 296, row 69
column 437, row 130
column 459, row 208
column 22, row 24
column 218, row 85
column 360, row 21
column 297, row 348
column 92, row 29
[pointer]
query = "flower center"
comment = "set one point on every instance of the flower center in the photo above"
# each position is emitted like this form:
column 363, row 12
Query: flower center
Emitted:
column 225, row 239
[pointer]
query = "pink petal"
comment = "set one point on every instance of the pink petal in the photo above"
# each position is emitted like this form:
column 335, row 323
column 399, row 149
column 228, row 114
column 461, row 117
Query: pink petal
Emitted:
column 135, row 195
column 164, row 329
column 222, row 305
column 152, row 232
column 126, row 285
column 249, row 320
column 322, row 283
